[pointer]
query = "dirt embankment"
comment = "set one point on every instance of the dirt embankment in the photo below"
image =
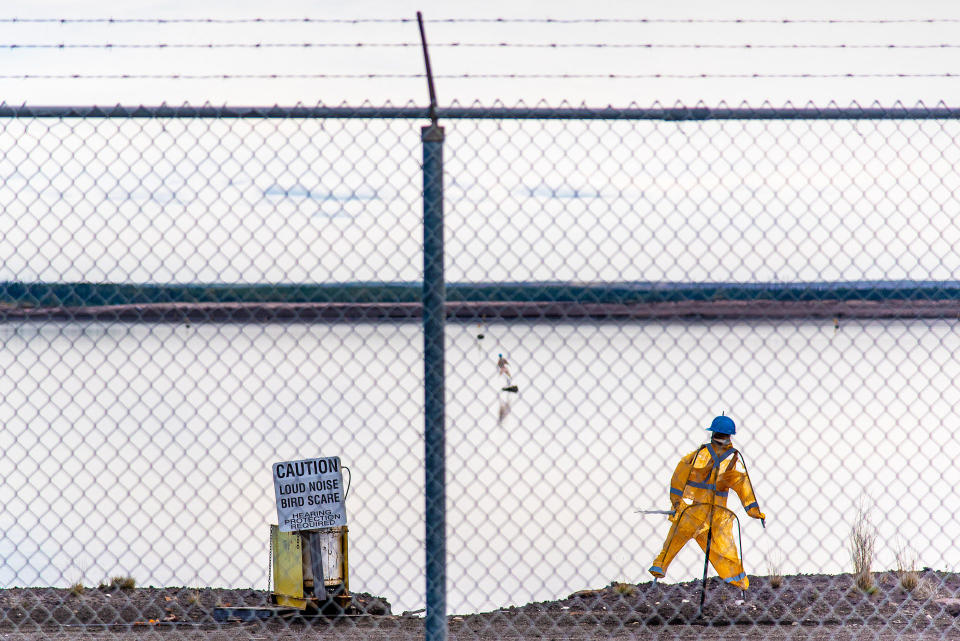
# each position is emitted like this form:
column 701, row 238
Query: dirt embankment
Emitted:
column 931, row 606
column 26, row 608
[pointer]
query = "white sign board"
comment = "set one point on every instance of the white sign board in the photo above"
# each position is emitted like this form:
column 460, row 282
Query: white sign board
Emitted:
column 309, row 494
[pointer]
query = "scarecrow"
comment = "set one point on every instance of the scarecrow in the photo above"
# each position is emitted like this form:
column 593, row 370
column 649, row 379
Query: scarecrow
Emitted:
column 503, row 368
column 698, row 493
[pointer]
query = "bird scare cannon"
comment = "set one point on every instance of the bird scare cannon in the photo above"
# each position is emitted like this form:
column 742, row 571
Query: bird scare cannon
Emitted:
column 308, row 546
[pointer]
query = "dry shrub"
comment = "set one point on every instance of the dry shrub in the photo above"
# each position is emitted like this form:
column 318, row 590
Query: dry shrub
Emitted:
column 909, row 581
column 926, row 589
column 907, row 569
column 864, row 583
column 863, row 542
column 624, row 589
column 122, row 583
column 775, row 569
column 76, row 588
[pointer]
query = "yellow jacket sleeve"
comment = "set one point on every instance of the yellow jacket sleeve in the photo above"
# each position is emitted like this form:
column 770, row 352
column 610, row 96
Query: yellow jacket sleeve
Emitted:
column 740, row 483
column 679, row 479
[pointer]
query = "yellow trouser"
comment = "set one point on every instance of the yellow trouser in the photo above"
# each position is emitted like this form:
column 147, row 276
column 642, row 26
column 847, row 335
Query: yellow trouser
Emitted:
column 692, row 523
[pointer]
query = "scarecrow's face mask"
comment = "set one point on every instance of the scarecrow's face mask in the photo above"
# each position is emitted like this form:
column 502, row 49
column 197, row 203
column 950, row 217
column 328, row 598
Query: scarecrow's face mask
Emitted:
column 722, row 440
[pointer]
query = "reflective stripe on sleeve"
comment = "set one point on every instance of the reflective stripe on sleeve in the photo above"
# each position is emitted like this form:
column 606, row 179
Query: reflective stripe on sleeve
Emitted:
column 732, row 579
column 702, row 486
column 751, row 506
column 674, row 490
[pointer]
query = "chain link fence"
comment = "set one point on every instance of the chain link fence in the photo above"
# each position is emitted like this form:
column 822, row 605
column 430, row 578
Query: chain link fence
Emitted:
column 193, row 295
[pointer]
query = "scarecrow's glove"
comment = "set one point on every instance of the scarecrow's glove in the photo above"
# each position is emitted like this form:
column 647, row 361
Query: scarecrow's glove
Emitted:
column 756, row 513
column 677, row 508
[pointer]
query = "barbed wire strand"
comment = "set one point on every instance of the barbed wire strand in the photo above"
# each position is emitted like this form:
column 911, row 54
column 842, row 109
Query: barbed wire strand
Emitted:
column 704, row 20
column 475, row 76
column 202, row 20
column 490, row 45
column 306, row 20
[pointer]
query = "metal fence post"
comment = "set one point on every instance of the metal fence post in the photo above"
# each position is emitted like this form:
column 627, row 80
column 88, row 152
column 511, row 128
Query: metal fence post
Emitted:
column 434, row 316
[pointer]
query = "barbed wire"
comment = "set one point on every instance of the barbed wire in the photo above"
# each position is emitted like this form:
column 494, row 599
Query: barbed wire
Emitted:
column 203, row 20
column 475, row 76
column 209, row 45
column 503, row 44
column 484, row 45
column 700, row 75
column 704, row 20
column 307, row 20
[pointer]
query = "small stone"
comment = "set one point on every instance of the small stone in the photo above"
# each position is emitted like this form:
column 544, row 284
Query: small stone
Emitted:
column 739, row 602
column 951, row 606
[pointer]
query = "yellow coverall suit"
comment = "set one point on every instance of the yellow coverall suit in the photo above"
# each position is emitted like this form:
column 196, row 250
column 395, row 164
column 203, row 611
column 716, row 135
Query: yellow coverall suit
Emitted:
column 705, row 477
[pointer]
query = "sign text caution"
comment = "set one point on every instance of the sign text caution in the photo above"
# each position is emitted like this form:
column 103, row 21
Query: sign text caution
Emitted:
column 309, row 494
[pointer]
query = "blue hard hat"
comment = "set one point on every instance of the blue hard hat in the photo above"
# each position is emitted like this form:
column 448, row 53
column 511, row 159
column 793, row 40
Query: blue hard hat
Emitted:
column 723, row 424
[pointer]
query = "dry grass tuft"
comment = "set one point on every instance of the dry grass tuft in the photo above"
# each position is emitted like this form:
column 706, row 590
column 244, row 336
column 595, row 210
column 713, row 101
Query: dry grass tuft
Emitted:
column 926, row 589
column 122, row 583
column 625, row 589
column 863, row 542
column 76, row 588
column 909, row 581
column 864, row 583
column 907, row 569
column 775, row 569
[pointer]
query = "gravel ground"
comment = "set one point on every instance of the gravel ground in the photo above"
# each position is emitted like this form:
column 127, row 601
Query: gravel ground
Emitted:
column 801, row 607
column 413, row 630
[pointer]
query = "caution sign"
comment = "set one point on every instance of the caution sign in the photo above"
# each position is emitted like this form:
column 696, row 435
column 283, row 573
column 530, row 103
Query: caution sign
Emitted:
column 309, row 494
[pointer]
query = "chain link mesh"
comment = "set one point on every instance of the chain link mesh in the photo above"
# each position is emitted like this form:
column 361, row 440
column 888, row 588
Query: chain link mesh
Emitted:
column 188, row 301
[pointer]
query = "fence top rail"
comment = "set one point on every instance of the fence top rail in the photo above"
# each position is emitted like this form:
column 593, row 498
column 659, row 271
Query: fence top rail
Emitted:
column 681, row 113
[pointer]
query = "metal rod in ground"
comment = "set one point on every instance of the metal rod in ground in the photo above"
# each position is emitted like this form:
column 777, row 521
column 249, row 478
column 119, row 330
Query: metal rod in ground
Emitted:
column 434, row 315
column 706, row 566
column 316, row 566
